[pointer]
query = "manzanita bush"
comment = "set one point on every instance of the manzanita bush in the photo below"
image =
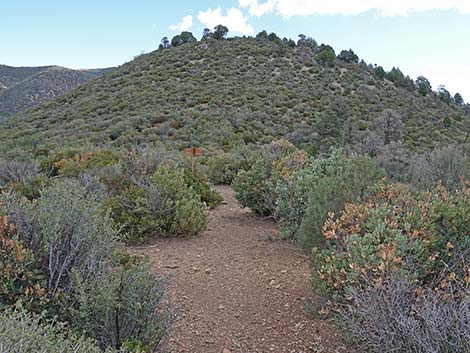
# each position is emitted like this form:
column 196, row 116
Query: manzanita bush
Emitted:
column 20, row 279
column 396, row 230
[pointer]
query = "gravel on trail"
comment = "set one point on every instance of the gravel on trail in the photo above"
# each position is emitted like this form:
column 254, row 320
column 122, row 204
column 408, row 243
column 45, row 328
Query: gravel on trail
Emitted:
column 239, row 288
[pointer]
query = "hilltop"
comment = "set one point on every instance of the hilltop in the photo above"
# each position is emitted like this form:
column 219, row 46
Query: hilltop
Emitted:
column 26, row 87
column 220, row 93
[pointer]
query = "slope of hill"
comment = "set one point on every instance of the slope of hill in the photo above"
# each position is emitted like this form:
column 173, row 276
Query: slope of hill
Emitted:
column 219, row 93
column 26, row 87
column 9, row 76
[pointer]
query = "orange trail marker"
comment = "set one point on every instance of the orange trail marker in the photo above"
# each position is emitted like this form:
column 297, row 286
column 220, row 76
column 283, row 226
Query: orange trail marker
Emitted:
column 192, row 152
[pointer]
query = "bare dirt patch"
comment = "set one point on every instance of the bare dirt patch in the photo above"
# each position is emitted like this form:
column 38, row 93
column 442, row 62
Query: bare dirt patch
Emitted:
column 239, row 288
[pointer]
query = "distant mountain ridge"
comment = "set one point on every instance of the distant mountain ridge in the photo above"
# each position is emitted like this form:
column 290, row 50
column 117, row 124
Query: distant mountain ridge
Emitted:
column 26, row 87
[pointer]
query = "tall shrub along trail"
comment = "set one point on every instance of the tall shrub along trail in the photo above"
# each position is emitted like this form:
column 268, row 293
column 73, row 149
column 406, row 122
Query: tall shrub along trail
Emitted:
column 238, row 288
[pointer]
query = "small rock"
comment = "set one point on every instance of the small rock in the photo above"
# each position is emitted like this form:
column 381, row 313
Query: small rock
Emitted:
column 195, row 269
column 172, row 266
column 208, row 270
column 221, row 307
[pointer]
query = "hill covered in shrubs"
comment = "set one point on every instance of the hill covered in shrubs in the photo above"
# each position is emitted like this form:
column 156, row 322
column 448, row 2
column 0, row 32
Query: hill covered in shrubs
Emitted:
column 370, row 178
column 27, row 87
column 219, row 93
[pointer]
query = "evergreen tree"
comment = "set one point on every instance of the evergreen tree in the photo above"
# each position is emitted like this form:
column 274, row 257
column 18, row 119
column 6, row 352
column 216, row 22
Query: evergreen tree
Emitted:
column 220, row 32
column 348, row 56
column 458, row 99
column 423, row 85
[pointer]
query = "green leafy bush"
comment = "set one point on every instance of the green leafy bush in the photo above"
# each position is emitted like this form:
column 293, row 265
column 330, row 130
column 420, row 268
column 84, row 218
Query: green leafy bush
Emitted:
column 256, row 187
column 292, row 199
column 47, row 163
column 337, row 181
column 293, row 193
column 201, row 187
column 164, row 206
column 222, row 167
column 119, row 307
column 181, row 212
column 22, row 332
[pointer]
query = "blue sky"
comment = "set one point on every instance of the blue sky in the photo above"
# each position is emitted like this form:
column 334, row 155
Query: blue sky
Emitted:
column 421, row 37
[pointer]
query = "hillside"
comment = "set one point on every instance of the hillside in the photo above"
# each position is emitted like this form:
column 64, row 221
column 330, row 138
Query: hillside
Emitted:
column 223, row 92
column 9, row 76
column 26, row 87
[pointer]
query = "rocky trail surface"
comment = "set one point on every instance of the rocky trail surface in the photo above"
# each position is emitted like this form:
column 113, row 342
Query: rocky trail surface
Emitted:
column 239, row 288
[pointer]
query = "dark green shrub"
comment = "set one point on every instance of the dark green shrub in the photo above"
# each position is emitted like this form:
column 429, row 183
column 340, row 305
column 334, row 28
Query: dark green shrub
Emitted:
column 224, row 166
column 293, row 193
column 182, row 212
column 344, row 180
column 198, row 183
column 129, row 209
column 165, row 206
column 31, row 190
column 256, row 188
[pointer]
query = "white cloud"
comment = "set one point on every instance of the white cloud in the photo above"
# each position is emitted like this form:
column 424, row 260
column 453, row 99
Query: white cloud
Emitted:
column 235, row 21
column 258, row 9
column 185, row 24
column 289, row 8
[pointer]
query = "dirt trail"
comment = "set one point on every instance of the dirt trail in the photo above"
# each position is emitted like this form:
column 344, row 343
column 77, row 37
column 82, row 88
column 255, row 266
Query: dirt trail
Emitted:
column 237, row 288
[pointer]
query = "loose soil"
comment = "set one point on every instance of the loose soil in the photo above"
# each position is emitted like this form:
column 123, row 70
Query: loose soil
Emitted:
column 239, row 288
